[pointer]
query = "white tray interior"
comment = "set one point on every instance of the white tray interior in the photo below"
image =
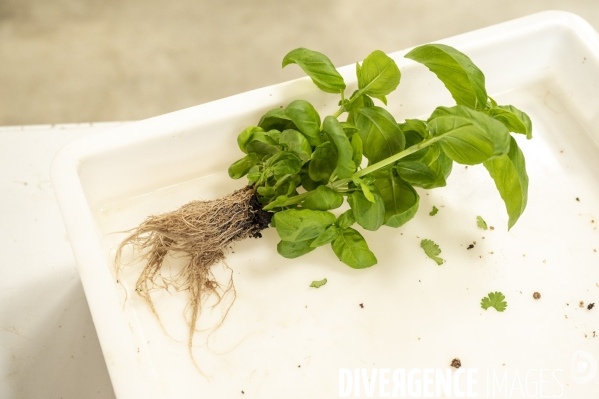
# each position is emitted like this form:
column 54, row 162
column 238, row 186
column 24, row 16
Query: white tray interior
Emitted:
column 283, row 338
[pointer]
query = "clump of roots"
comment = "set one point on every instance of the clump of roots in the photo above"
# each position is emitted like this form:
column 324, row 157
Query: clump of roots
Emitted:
column 201, row 231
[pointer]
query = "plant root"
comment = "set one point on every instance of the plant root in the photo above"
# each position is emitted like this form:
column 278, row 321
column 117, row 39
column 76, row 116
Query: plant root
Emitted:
column 200, row 231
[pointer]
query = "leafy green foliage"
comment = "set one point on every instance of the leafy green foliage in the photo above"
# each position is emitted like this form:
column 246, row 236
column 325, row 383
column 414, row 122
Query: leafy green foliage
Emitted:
column 378, row 76
column 318, row 67
column 306, row 118
column 399, row 198
column 494, row 299
column 511, row 180
column 432, row 250
column 323, row 199
column 514, row 119
column 291, row 250
column 463, row 79
column 380, row 133
column 302, row 224
column 327, row 237
column 303, row 166
column 345, row 164
column 369, row 214
column 468, row 136
column 480, row 222
column 351, row 248
column 318, row 283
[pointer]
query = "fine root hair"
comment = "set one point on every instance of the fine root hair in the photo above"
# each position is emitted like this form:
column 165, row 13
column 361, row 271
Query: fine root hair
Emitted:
column 200, row 232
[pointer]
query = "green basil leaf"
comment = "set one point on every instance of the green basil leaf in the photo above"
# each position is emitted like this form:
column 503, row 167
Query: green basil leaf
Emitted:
column 369, row 215
column 292, row 250
column 380, row 134
column 323, row 163
column 266, row 191
column 509, row 173
column 254, row 174
column 323, row 199
column 274, row 134
column 287, row 185
column 515, row 120
column 318, row 67
column 329, row 235
column 307, row 120
column 414, row 131
column 302, row 224
column 429, row 170
column 297, row 143
column 276, row 119
column 286, row 163
column 463, row 79
column 278, row 202
column 241, row 167
column 345, row 165
column 366, row 191
column 308, row 183
column 349, row 129
column 261, row 144
column 346, row 219
column 363, row 100
column 468, row 136
column 357, row 150
column 400, row 200
column 378, row 75
column 351, row 249
column 244, row 137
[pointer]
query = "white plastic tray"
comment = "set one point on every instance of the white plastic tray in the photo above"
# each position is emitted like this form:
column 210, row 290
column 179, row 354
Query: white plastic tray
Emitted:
column 285, row 339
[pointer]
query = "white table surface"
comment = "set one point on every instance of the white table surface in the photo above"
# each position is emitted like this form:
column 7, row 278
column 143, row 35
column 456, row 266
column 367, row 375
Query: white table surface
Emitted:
column 48, row 344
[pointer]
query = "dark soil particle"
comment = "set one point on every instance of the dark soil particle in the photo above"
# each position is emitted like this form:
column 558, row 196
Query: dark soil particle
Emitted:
column 591, row 306
column 260, row 219
column 456, row 363
column 470, row 246
column 536, row 295
column 362, row 305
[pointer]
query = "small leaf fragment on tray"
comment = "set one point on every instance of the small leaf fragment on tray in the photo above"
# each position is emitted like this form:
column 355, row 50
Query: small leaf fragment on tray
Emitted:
column 481, row 223
column 318, row 284
column 432, row 250
column 496, row 300
column 434, row 211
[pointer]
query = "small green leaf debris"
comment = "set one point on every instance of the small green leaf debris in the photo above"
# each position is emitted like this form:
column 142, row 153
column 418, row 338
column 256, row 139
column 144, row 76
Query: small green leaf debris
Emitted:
column 318, row 284
column 432, row 250
column 496, row 300
column 480, row 222
column 434, row 211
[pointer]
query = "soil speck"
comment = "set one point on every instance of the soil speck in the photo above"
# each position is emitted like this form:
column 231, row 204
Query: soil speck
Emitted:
column 456, row 363
column 362, row 305
column 581, row 304
column 591, row 306
column 536, row 295
column 470, row 246
column 492, row 228
column 577, row 199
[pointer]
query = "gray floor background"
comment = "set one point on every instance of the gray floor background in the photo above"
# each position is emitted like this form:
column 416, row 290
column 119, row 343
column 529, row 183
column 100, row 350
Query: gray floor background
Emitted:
column 107, row 60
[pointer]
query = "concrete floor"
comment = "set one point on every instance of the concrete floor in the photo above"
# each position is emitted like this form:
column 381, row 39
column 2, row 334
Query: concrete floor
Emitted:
column 106, row 60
